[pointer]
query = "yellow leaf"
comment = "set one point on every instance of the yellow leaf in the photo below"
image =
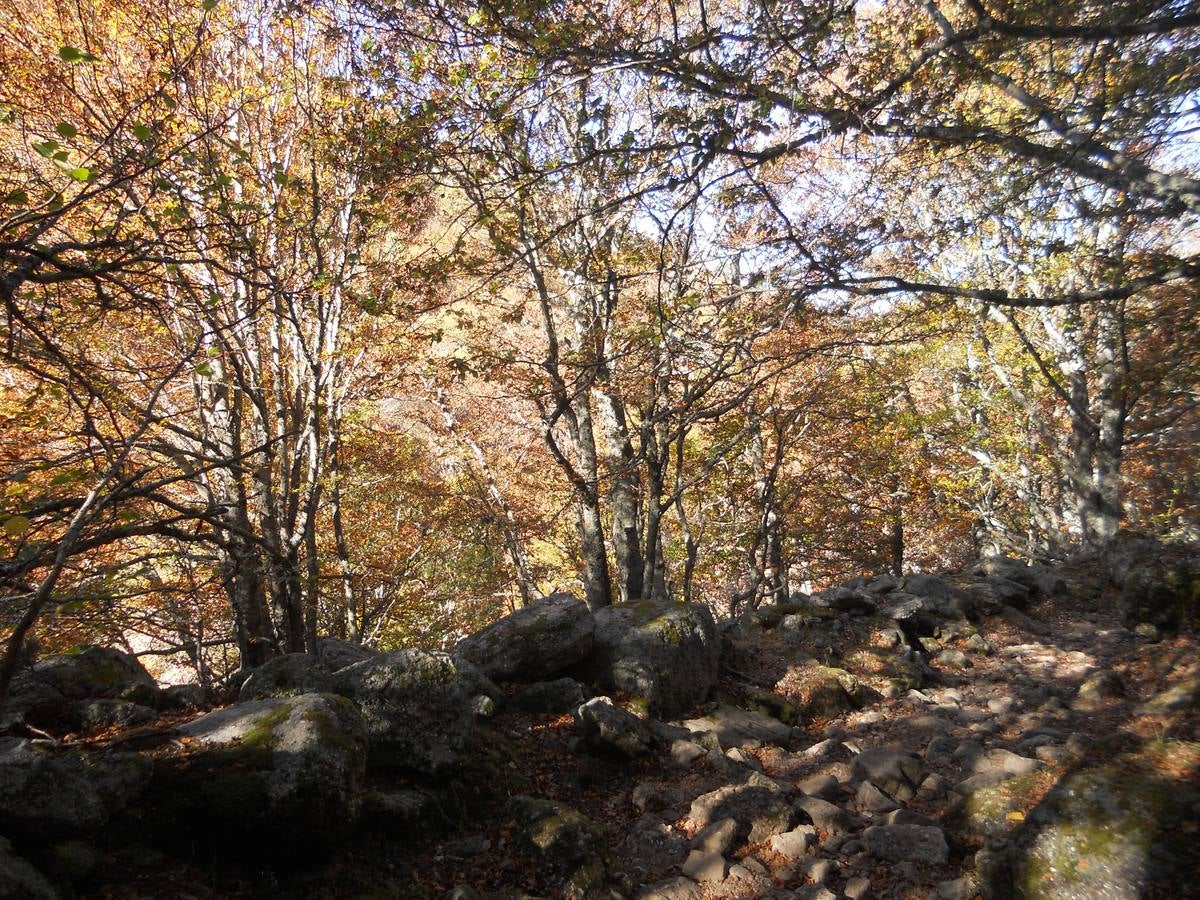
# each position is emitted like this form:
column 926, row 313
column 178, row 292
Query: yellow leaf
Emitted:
column 1015, row 816
column 16, row 526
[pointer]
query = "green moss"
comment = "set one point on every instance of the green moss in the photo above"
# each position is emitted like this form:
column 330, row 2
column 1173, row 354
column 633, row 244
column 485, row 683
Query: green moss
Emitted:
column 261, row 734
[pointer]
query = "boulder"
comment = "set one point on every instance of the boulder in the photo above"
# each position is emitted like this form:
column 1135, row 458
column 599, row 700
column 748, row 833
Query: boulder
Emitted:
column 49, row 794
column 1121, row 829
column 734, row 726
column 567, row 846
column 417, row 706
column 1164, row 591
column 287, row 676
column 46, row 694
column 19, row 880
column 994, row 810
column 606, row 727
column 1036, row 578
column 88, row 715
column 847, row 600
column 281, row 775
column 556, row 696
column 819, row 692
column 827, row 816
column 652, row 849
column 1100, row 686
column 549, row 635
column 666, row 654
column 898, row 772
column 758, row 807
column 337, row 654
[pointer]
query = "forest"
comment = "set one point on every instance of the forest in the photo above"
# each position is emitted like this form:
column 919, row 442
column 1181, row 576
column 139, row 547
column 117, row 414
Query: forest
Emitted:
column 371, row 323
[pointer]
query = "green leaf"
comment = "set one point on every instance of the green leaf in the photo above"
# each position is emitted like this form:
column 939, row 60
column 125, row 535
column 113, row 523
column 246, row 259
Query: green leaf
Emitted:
column 17, row 198
column 46, row 148
column 75, row 55
column 16, row 526
column 209, row 5
column 66, row 129
column 143, row 133
column 204, row 369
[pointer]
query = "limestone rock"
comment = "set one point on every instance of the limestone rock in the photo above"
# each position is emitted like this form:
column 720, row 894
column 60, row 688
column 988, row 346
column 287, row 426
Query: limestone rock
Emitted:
column 417, row 706
column 549, row 635
column 667, row 654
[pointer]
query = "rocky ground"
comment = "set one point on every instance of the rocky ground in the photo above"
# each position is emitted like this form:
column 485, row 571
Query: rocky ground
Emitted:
column 997, row 732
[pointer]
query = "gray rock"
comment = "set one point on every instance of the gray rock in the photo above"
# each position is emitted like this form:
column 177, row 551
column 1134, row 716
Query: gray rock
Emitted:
column 671, row 889
column 870, row 799
column 567, row 845
column 758, row 807
column 705, row 867
column 287, row 676
column 1001, row 760
column 337, row 654
column 49, row 794
column 553, row 697
column 417, row 706
column 1164, row 591
column 1184, row 694
column 667, row 654
column 19, row 880
column 606, row 727
column 651, row 850
column 88, row 715
column 717, row 837
column 828, row 817
column 898, row 772
column 1100, row 686
column 285, row 771
column 184, row 696
column 794, row 843
column 954, row 658
column 857, row 888
column 820, row 785
column 547, row 636
column 734, row 726
column 43, row 695
column 399, row 811
column 900, row 843
column 684, row 753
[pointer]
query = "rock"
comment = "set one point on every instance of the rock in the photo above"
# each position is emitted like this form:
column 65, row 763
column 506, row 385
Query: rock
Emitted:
column 857, row 888
column 667, row 654
column 1163, row 591
column 734, row 726
column 841, row 599
column 954, row 658
column 1100, row 686
column 828, row 817
column 758, row 807
column 88, row 715
column 48, row 794
column 337, row 654
column 417, row 706
column 287, row 676
column 184, row 696
column 705, row 867
column 672, row 889
column 399, row 811
column 993, row 810
column 820, row 785
column 1036, row 578
column 794, row 843
column 19, row 880
column 651, row 850
column 565, row 844
column 43, row 695
column 819, row 692
column 1113, row 830
column 1001, row 760
column 717, row 837
column 549, row 635
column 462, row 892
column 870, row 799
column 899, row 843
column 1184, row 694
column 898, row 772
column 551, row 697
column 286, row 773
column 73, row 861
column 606, row 727
column 1147, row 632
column 684, row 753
column 742, row 758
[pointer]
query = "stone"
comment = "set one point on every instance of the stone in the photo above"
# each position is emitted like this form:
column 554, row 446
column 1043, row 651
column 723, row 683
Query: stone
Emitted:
column 19, row 880
column 717, row 837
column 567, row 845
column 1184, row 694
column 705, row 867
column 549, row 635
column 184, row 696
column 900, row 843
column 88, row 715
column 1035, row 577
column 43, row 695
column 684, row 753
column 607, row 728
column 336, row 654
column 898, row 772
column 1001, row 760
column 820, row 785
column 1100, row 686
column 1164, row 591
column 819, row 692
column 742, row 758
column 399, row 811
column 794, row 843
column 671, row 889
column 992, row 810
column 1122, row 828
column 845, row 600
column 758, row 806
column 857, row 888
column 735, row 727
column 1147, row 632
column 667, row 654
column 870, row 799
column 287, row 676
column 552, row 697
column 819, row 871
column 278, row 774
column 826, row 816
column 417, row 706
column 48, row 794
column 1001, row 705
column 954, row 658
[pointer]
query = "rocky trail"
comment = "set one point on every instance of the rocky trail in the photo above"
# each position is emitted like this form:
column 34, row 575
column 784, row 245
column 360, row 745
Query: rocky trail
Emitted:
column 1006, row 731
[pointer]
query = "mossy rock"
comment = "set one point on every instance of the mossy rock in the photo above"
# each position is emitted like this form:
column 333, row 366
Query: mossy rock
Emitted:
column 569, row 848
column 287, row 676
column 1123, row 828
column 996, row 810
column 820, row 692
column 1164, row 592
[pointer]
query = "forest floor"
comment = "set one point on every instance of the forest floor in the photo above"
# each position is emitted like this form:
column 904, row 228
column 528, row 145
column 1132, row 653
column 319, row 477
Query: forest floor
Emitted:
column 1021, row 697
